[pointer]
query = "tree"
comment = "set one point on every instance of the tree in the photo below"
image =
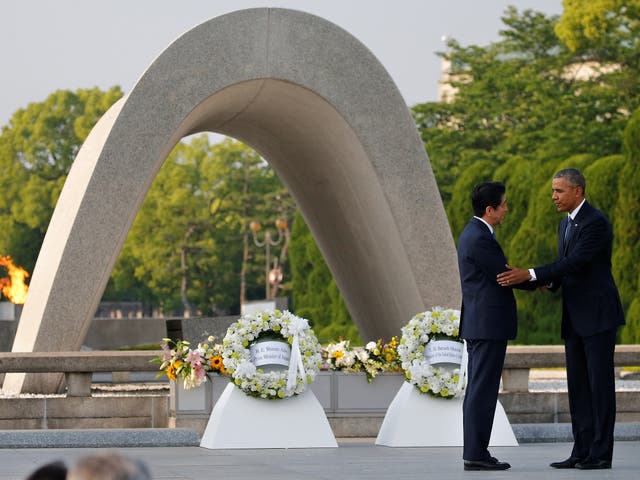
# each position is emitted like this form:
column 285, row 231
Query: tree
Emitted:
column 315, row 294
column 627, row 232
column 596, row 27
column 185, row 250
column 37, row 149
column 523, row 110
column 189, row 243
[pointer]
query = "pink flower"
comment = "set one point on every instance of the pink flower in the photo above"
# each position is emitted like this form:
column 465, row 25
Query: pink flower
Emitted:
column 166, row 352
column 194, row 358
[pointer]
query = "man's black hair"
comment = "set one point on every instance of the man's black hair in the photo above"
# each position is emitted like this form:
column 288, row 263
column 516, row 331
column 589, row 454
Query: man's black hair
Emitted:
column 488, row 194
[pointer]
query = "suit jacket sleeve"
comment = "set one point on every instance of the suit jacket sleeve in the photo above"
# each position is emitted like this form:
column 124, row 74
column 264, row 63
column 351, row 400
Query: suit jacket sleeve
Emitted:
column 489, row 257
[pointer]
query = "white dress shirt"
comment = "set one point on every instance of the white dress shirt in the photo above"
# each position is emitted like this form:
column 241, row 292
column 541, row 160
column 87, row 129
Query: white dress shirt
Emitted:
column 486, row 223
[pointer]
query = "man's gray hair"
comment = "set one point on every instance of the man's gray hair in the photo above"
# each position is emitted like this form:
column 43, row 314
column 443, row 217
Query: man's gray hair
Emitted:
column 109, row 466
column 574, row 177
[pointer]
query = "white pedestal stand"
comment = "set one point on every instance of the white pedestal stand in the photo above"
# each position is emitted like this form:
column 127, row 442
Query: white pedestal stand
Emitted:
column 417, row 420
column 241, row 421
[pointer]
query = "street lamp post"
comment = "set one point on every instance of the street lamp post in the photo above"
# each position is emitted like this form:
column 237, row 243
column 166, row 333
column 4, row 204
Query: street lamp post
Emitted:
column 272, row 276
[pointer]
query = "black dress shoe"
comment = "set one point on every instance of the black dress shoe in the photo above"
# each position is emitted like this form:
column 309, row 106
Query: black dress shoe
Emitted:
column 590, row 464
column 492, row 464
column 568, row 463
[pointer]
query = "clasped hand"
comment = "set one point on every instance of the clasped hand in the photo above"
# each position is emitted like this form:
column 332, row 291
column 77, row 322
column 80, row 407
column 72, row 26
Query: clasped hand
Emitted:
column 513, row 276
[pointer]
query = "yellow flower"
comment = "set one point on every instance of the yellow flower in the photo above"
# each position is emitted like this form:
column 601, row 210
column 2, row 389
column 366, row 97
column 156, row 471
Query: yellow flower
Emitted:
column 216, row 364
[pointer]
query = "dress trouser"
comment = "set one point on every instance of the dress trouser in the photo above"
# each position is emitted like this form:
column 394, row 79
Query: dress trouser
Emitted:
column 592, row 395
column 484, row 368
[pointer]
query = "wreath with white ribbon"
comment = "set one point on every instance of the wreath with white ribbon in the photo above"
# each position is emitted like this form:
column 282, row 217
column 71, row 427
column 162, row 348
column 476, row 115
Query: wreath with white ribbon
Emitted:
column 304, row 362
column 429, row 347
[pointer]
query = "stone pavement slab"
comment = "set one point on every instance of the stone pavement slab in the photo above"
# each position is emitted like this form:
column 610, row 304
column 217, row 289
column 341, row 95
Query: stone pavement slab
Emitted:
column 353, row 460
column 99, row 438
column 182, row 437
column 561, row 432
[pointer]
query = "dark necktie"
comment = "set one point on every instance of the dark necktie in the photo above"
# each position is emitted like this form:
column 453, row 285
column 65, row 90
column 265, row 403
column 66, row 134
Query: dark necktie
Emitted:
column 567, row 230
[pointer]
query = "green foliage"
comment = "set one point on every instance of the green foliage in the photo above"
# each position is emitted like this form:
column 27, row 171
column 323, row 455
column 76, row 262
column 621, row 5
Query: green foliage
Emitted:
column 627, row 232
column 522, row 112
column 603, row 189
column 315, row 294
column 37, row 149
column 631, row 331
column 185, row 248
column 596, row 25
column 516, row 173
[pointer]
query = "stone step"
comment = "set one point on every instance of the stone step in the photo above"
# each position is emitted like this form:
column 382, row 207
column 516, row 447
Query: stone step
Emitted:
column 561, row 432
column 182, row 437
column 99, row 438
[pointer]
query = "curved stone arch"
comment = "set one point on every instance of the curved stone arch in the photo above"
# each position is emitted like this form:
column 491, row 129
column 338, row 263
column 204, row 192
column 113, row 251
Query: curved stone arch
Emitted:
column 320, row 108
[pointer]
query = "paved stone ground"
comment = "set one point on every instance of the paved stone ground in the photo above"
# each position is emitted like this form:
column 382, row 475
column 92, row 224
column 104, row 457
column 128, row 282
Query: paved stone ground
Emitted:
column 353, row 460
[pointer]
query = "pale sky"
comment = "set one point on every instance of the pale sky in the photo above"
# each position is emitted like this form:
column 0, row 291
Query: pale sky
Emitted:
column 69, row 44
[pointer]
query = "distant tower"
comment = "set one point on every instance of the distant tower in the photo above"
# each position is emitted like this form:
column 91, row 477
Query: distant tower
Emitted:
column 446, row 92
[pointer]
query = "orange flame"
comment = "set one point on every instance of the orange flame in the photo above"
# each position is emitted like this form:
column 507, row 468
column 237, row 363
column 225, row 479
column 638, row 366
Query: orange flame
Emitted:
column 13, row 287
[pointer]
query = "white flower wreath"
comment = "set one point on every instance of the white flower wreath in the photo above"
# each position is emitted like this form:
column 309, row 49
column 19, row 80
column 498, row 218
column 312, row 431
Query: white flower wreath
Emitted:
column 436, row 324
column 305, row 361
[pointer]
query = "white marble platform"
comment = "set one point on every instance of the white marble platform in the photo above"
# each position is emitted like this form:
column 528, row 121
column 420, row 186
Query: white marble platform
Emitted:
column 417, row 420
column 241, row 421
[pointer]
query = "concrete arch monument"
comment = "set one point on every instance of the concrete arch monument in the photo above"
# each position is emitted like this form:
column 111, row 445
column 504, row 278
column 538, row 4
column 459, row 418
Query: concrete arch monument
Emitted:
column 320, row 108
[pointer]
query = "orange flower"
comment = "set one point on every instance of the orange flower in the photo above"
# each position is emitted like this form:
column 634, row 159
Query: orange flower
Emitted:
column 216, row 364
column 172, row 369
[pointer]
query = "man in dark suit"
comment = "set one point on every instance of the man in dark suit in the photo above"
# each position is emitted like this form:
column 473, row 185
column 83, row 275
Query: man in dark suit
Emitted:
column 487, row 321
column 591, row 315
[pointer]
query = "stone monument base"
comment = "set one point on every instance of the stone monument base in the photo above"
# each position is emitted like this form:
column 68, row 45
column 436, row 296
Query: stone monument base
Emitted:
column 241, row 421
column 417, row 420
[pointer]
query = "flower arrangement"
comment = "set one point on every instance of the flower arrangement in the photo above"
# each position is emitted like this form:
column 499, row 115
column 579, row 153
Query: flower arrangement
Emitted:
column 179, row 361
column 423, row 328
column 373, row 358
column 304, row 363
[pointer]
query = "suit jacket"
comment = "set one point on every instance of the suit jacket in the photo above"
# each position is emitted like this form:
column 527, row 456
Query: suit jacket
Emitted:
column 590, row 300
column 488, row 310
